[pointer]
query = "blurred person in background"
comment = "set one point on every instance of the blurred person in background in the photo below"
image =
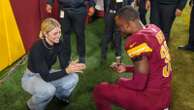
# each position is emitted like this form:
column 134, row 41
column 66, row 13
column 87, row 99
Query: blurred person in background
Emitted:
column 72, row 14
column 164, row 12
column 111, row 33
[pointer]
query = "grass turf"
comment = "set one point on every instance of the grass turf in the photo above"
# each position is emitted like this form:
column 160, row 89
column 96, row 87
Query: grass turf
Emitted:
column 12, row 96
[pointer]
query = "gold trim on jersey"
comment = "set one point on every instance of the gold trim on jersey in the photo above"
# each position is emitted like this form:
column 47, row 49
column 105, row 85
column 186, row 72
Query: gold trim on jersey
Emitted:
column 138, row 50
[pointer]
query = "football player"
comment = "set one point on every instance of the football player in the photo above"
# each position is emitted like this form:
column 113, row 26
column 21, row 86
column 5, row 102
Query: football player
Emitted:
column 149, row 88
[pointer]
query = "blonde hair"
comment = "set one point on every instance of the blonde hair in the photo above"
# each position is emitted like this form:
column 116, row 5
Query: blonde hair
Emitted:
column 48, row 25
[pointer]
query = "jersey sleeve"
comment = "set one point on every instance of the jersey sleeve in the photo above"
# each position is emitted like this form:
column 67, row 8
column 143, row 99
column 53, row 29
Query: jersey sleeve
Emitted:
column 137, row 46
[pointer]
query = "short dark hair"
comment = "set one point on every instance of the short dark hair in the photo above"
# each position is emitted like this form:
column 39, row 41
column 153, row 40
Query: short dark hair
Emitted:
column 128, row 13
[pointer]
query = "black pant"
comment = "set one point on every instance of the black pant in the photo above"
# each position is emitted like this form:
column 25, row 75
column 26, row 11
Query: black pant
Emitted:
column 163, row 15
column 111, row 34
column 142, row 11
column 74, row 20
column 191, row 29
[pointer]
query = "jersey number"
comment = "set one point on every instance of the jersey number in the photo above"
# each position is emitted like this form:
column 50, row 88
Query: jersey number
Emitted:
column 164, row 55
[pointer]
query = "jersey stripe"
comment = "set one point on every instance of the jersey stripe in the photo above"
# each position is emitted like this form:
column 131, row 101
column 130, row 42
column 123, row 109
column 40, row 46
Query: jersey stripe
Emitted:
column 138, row 50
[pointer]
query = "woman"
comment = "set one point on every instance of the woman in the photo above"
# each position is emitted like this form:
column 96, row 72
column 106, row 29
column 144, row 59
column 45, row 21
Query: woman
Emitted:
column 39, row 80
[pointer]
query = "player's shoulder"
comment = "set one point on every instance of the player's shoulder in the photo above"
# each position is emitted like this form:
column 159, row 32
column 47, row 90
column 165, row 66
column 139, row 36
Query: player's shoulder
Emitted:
column 146, row 35
column 137, row 45
column 134, row 40
column 152, row 29
column 152, row 26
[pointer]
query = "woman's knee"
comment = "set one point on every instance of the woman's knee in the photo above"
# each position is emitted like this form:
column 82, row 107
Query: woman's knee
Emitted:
column 74, row 78
column 69, row 81
column 47, row 91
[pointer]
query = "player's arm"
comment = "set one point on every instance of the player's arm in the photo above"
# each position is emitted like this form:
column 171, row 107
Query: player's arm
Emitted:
column 141, row 64
column 140, row 76
column 121, row 68
column 139, row 51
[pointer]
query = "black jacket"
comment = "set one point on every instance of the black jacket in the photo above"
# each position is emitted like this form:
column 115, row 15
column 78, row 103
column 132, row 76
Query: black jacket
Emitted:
column 42, row 56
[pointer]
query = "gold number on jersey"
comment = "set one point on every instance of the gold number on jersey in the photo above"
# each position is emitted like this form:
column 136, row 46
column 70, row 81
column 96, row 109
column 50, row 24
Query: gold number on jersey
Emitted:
column 166, row 56
column 160, row 37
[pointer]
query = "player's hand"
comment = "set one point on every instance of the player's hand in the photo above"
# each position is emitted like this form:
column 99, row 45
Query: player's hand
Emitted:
column 48, row 8
column 120, row 68
column 178, row 12
column 114, row 66
column 75, row 67
column 147, row 4
column 91, row 11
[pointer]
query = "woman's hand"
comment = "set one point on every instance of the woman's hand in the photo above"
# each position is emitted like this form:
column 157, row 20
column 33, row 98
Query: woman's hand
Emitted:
column 75, row 67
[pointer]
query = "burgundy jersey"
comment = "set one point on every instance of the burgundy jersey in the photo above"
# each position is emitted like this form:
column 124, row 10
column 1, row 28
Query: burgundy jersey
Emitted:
column 150, row 42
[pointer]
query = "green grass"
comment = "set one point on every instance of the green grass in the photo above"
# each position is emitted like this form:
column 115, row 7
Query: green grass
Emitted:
column 183, row 65
column 12, row 96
